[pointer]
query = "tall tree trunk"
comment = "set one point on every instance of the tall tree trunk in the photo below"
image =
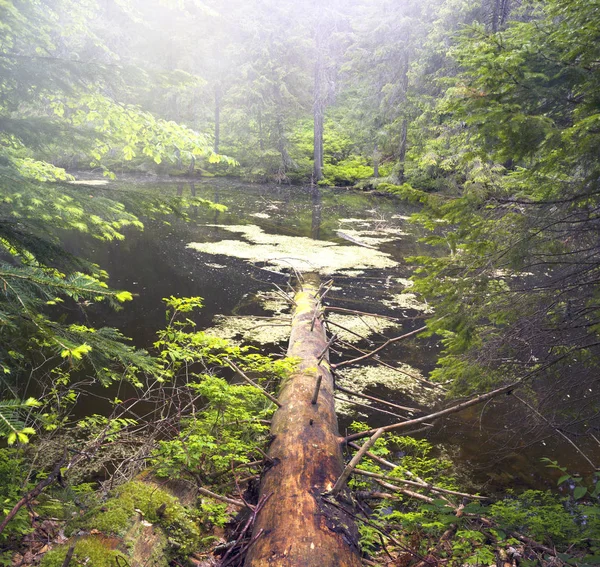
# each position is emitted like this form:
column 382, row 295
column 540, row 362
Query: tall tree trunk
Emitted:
column 217, row 119
column 318, row 112
column 261, row 143
column 375, row 160
column 402, row 147
column 402, row 150
column 297, row 527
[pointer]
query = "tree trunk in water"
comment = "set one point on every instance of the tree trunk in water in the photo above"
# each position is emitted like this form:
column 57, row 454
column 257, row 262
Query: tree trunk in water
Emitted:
column 296, row 525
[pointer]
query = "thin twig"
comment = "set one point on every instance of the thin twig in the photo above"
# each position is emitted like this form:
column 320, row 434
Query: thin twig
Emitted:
column 373, row 399
column 341, row 481
column 233, row 366
column 372, row 408
column 442, row 413
column 548, row 422
column 355, row 312
column 379, row 348
column 216, row 496
column 378, row 528
column 419, row 484
column 326, row 349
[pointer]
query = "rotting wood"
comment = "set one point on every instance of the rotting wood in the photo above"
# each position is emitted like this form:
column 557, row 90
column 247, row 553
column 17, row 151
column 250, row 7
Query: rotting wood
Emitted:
column 299, row 526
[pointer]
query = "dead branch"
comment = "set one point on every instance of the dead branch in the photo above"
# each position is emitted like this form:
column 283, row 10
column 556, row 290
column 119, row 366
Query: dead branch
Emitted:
column 372, row 408
column 565, row 437
column 375, row 526
column 326, row 349
column 341, row 481
column 55, row 475
column 69, row 554
column 348, row 331
column 238, row 370
column 393, row 368
column 216, row 496
column 423, row 484
column 373, row 399
column 436, row 415
column 379, row 348
column 355, row 312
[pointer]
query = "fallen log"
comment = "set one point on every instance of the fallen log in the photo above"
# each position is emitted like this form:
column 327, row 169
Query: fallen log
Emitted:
column 298, row 527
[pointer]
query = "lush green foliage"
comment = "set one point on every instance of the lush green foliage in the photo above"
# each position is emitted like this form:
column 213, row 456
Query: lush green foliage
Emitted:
column 514, row 287
column 232, row 422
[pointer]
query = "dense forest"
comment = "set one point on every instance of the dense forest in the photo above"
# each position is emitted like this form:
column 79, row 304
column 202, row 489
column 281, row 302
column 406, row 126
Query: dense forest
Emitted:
column 334, row 152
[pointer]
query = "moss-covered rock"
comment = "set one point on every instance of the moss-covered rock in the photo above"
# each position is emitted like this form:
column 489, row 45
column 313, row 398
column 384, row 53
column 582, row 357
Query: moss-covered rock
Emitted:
column 136, row 506
column 92, row 550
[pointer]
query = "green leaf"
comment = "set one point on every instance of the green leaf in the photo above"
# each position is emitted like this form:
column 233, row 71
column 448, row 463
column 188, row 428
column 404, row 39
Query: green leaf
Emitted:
column 579, row 492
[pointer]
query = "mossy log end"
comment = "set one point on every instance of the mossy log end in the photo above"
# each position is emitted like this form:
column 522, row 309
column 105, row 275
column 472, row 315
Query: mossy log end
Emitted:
column 296, row 526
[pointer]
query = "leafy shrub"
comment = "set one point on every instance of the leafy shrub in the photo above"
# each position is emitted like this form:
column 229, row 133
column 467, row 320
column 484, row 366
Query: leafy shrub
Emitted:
column 547, row 517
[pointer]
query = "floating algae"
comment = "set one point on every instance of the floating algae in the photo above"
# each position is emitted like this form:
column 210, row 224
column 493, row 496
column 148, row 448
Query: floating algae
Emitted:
column 240, row 329
column 405, row 282
column 216, row 266
column 272, row 301
column 352, row 273
column 297, row 252
column 406, row 382
column 368, row 237
column 347, row 327
column 251, row 329
column 406, row 301
column 89, row 182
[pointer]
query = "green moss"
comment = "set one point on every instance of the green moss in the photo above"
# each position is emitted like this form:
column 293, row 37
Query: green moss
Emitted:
column 118, row 514
column 93, row 551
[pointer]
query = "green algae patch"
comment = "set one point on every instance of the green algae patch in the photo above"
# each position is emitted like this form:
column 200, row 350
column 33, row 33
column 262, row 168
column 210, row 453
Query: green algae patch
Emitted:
column 258, row 330
column 354, row 328
column 406, row 301
column 406, row 383
column 239, row 329
column 273, row 302
column 296, row 252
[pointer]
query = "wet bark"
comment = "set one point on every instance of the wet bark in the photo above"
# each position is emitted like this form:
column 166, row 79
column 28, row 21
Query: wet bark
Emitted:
column 297, row 526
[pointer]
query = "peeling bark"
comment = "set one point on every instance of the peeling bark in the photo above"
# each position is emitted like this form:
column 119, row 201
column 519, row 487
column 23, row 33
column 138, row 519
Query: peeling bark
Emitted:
column 297, row 526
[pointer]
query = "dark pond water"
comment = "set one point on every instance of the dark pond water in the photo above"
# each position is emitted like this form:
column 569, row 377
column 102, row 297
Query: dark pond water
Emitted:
column 488, row 445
